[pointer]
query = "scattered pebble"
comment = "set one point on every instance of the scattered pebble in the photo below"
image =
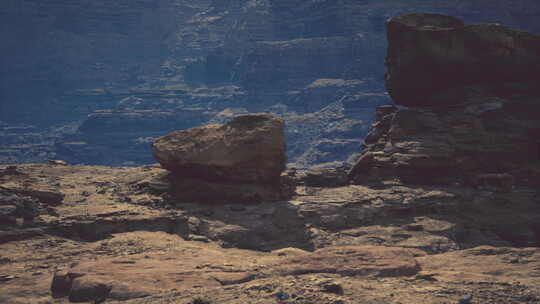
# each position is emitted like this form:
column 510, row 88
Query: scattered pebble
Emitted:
column 332, row 287
column 6, row 278
column 282, row 296
column 465, row 299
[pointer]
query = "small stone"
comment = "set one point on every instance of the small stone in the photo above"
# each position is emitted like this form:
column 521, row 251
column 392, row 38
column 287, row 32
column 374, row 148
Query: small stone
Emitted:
column 5, row 277
column 282, row 296
column 198, row 238
column 466, row 299
column 332, row 287
column 57, row 162
column 241, row 160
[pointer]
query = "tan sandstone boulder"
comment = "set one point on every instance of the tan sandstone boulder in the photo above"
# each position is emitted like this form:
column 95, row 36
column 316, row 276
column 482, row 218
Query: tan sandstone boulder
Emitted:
column 242, row 159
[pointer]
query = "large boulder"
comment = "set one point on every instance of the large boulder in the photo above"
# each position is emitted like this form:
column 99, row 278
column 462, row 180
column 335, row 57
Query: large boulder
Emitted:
column 430, row 53
column 249, row 148
column 243, row 159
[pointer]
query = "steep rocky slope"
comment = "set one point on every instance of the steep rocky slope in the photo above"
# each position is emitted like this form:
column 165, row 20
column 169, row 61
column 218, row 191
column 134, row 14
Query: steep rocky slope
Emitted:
column 157, row 66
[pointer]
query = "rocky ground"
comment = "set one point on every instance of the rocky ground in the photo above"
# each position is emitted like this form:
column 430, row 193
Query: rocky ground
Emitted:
column 117, row 231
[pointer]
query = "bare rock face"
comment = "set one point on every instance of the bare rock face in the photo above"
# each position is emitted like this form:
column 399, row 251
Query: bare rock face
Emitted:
column 430, row 53
column 247, row 153
column 473, row 106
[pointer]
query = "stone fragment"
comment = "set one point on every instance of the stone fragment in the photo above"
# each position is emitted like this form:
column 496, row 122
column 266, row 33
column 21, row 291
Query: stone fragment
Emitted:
column 85, row 289
column 466, row 299
column 332, row 287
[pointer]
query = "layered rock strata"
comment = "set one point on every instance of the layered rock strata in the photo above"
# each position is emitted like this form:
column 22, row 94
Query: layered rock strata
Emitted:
column 473, row 106
column 64, row 60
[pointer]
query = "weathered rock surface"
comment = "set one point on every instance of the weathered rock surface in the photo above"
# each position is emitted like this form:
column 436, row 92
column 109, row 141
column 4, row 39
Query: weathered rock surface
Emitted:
column 429, row 54
column 85, row 289
column 466, row 125
column 249, row 148
column 242, row 159
column 120, row 237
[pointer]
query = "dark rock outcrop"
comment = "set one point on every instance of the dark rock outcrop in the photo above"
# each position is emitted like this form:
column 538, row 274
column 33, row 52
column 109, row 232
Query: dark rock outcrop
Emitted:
column 124, row 233
column 243, row 158
column 429, row 54
column 475, row 106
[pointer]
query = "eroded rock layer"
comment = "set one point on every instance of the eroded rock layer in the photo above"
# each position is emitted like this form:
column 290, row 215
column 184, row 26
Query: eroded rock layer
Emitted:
column 72, row 67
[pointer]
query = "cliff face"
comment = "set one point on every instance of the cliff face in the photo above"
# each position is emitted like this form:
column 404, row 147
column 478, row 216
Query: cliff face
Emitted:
column 306, row 61
column 474, row 106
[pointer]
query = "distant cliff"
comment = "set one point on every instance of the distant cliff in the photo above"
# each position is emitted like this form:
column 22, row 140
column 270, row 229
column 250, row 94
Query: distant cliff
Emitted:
column 143, row 68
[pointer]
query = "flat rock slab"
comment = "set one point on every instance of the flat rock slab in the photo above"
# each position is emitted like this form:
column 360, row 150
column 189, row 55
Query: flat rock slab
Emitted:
column 353, row 261
column 44, row 193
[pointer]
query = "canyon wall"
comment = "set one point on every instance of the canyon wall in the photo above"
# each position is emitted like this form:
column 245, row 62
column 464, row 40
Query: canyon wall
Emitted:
column 96, row 81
